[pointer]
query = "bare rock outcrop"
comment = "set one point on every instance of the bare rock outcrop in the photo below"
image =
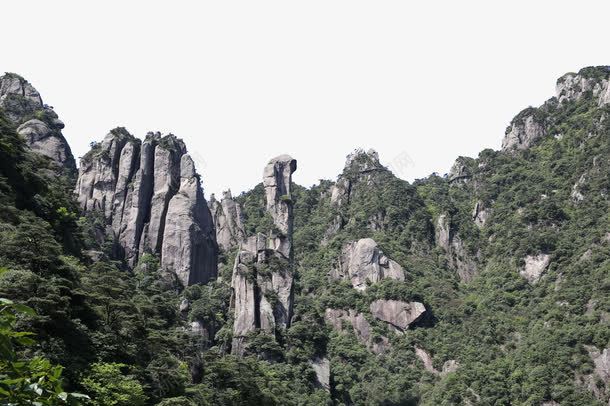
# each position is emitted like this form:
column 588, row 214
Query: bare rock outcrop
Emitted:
column 480, row 214
column 588, row 82
column 525, row 129
column 321, row 367
column 399, row 315
column 360, row 166
column 362, row 262
column 189, row 248
column 598, row 381
column 448, row 367
column 152, row 200
column 534, row 266
column 458, row 256
column 262, row 281
column 36, row 122
column 228, row 221
column 361, row 328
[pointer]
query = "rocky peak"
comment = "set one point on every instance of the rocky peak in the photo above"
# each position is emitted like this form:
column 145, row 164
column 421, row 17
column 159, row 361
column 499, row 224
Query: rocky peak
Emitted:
column 36, row 122
column 277, row 177
column 262, row 280
column 588, row 82
column 359, row 167
column 152, row 200
column 524, row 130
column 228, row 221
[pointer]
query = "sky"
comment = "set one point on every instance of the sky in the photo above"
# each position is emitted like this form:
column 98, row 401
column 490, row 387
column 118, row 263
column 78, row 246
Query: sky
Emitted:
column 244, row 81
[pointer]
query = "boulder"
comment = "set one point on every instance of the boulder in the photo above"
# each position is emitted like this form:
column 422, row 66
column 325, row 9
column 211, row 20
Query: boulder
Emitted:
column 400, row 315
column 534, row 266
column 363, row 262
column 21, row 102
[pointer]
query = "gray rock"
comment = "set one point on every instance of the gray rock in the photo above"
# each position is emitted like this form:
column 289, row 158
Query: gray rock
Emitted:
column 46, row 141
column 575, row 86
column 321, row 367
column 601, row 373
column 189, row 247
column 525, row 129
column 228, row 221
column 277, row 177
column 459, row 170
column 263, row 300
column 359, row 167
column 184, row 305
column 133, row 185
column 21, row 101
column 480, row 214
column 360, row 327
column 535, row 265
column 457, row 255
column 426, row 359
column 400, row 315
column 362, row 262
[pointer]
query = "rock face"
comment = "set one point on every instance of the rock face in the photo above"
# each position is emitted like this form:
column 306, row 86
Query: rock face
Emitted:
column 262, row 281
column 321, row 367
column 400, row 315
column 599, row 381
column 448, row 367
column 525, row 129
column 535, row 265
column 480, row 214
column 459, row 170
column 457, row 255
column 363, row 262
column 359, row 167
column 228, row 221
column 592, row 81
column 152, row 201
column 37, row 122
column 361, row 328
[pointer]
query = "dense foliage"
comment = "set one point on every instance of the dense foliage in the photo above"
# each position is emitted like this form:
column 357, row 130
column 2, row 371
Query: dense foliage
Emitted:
column 123, row 338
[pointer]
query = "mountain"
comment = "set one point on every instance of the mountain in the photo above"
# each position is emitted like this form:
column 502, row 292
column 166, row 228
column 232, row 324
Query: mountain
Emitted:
column 487, row 285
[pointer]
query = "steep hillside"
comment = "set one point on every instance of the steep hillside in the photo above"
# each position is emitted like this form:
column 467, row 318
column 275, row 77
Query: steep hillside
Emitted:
column 487, row 285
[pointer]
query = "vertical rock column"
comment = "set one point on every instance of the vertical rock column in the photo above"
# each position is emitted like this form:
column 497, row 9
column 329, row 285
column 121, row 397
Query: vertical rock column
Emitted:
column 262, row 280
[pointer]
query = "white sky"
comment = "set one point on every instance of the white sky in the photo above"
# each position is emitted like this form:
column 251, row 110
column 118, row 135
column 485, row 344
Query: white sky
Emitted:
column 243, row 81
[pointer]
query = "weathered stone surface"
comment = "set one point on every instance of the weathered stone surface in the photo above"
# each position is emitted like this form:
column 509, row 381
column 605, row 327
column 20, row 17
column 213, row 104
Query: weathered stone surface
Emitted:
column 525, row 129
column 321, row 367
column 480, row 214
column 277, row 177
column 189, row 247
column 228, row 221
column 399, row 315
column 359, row 167
column 21, row 102
column 459, row 170
column 598, row 382
column 363, row 262
column 457, row 255
column 575, row 86
column 426, row 359
column 535, row 265
column 360, row 326
column 152, row 200
column 262, row 279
